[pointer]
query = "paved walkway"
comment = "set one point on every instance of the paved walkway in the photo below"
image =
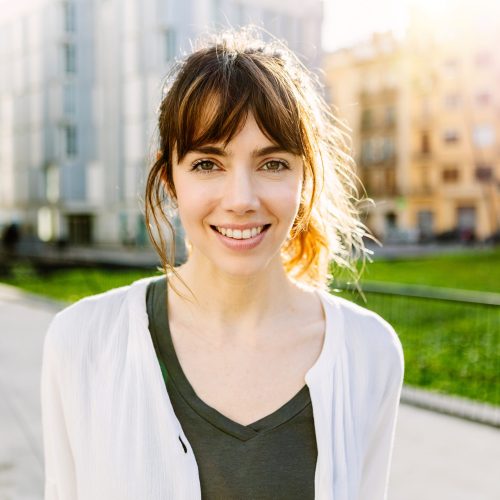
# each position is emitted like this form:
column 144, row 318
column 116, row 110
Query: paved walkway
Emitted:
column 436, row 457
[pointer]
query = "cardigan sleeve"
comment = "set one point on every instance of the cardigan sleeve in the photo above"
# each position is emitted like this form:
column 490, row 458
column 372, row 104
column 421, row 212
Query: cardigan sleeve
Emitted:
column 60, row 480
column 378, row 451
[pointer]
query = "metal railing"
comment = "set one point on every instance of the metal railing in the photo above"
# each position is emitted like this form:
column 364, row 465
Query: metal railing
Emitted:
column 451, row 343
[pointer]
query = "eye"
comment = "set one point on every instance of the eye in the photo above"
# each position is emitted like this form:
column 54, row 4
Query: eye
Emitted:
column 203, row 166
column 276, row 166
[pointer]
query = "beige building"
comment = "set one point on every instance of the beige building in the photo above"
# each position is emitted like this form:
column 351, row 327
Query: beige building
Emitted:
column 425, row 118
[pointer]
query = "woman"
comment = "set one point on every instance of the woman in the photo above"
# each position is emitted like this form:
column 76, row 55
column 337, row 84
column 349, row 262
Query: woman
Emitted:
column 235, row 374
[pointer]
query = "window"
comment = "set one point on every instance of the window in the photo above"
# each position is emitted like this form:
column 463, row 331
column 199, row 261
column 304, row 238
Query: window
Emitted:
column 388, row 148
column 366, row 152
column 425, row 223
column 450, row 135
column 390, row 116
column 452, row 101
column 69, row 58
column 483, row 98
column 483, row 135
column 69, row 99
column 70, row 141
column 425, row 145
column 170, row 44
column 366, row 119
column 377, row 149
column 52, row 183
column 484, row 173
column 450, row 174
column 69, row 17
column 483, row 58
column 450, row 67
column 80, row 229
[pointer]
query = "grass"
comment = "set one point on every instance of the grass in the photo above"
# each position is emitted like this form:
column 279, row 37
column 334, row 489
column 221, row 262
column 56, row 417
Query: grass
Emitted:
column 449, row 347
column 470, row 270
column 70, row 285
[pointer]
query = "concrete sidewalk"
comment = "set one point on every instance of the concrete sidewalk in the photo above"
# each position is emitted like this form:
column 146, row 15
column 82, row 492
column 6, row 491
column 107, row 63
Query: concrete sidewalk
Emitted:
column 436, row 457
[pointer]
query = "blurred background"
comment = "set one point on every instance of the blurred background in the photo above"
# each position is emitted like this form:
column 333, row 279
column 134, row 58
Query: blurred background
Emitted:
column 418, row 85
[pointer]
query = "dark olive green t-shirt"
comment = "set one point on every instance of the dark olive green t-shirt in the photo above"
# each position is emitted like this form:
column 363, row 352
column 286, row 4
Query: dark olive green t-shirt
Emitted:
column 272, row 458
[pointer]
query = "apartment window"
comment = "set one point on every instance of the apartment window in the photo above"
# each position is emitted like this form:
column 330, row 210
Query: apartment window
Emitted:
column 450, row 67
column 390, row 116
column 170, row 44
column 425, row 144
column 483, row 58
column 69, row 17
column 70, row 140
column 484, row 173
column 450, row 174
column 69, row 58
column 483, row 135
column 388, row 148
column 450, row 135
column 80, row 229
column 483, row 98
column 377, row 149
column 452, row 101
column 69, row 99
column 366, row 119
column 366, row 152
column 425, row 223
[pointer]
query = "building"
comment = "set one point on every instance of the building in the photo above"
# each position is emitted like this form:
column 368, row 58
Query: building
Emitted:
column 424, row 114
column 80, row 83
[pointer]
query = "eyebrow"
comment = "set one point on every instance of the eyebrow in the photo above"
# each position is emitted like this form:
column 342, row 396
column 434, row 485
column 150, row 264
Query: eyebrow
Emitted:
column 256, row 153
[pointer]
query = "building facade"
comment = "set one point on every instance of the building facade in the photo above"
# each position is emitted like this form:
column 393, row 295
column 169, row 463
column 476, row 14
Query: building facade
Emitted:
column 80, row 83
column 424, row 111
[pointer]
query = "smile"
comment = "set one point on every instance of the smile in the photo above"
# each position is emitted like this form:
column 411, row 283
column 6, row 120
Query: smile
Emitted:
column 241, row 240
column 239, row 234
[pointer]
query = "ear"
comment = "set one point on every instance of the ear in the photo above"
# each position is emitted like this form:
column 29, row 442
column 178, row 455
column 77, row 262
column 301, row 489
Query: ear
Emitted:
column 158, row 155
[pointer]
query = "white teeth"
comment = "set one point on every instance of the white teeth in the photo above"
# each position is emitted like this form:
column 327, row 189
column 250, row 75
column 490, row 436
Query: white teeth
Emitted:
column 238, row 234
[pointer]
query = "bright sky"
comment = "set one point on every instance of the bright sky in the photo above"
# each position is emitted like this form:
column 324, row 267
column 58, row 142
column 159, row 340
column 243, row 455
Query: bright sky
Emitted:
column 347, row 21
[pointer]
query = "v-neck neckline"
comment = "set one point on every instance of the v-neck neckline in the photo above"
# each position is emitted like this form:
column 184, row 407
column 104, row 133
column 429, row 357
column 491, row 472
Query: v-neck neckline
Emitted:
column 292, row 407
column 178, row 378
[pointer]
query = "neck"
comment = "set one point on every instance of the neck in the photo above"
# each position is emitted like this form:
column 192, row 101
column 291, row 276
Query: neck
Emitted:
column 235, row 305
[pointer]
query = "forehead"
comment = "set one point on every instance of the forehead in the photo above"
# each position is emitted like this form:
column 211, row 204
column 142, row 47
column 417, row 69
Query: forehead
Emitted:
column 211, row 116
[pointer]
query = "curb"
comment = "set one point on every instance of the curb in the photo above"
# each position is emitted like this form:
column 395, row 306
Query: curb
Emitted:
column 482, row 413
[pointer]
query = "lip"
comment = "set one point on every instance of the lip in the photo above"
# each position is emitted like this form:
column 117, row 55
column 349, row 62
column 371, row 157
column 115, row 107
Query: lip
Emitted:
column 241, row 245
column 248, row 225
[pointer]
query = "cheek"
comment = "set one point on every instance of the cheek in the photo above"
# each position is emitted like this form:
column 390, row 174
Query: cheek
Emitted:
column 194, row 201
column 285, row 198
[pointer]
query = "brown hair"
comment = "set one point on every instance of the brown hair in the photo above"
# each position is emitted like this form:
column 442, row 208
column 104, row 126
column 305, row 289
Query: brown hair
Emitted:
column 206, row 100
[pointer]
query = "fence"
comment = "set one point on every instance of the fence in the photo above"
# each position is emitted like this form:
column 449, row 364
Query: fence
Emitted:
column 451, row 343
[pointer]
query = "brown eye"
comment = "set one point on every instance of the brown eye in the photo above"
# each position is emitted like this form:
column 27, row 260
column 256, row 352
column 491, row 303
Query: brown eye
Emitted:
column 276, row 166
column 203, row 166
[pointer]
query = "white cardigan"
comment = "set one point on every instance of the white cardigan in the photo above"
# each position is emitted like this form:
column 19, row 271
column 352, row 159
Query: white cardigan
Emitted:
column 110, row 432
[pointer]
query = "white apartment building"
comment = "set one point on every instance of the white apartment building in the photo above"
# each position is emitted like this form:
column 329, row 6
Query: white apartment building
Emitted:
column 80, row 83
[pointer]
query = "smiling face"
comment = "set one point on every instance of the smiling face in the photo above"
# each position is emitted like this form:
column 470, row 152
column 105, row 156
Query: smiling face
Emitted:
column 252, row 188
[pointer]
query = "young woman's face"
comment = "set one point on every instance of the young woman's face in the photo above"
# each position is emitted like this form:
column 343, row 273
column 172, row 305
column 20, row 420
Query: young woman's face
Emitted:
column 250, row 191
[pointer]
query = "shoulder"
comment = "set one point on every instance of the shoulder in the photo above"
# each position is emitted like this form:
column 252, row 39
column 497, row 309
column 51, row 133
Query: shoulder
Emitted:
column 88, row 323
column 367, row 336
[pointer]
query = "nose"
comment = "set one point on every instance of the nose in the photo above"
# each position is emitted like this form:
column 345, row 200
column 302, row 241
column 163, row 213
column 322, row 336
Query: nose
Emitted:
column 240, row 192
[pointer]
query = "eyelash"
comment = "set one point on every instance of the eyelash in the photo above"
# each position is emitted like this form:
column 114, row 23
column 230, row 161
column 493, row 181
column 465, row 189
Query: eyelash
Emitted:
column 194, row 168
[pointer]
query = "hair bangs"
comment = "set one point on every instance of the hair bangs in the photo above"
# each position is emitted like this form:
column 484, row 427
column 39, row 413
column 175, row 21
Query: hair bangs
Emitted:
column 216, row 104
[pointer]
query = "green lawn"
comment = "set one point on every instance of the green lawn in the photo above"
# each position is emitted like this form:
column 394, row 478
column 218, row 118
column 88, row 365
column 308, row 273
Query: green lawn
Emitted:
column 468, row 270
column 449, row 347
column 73, row 284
